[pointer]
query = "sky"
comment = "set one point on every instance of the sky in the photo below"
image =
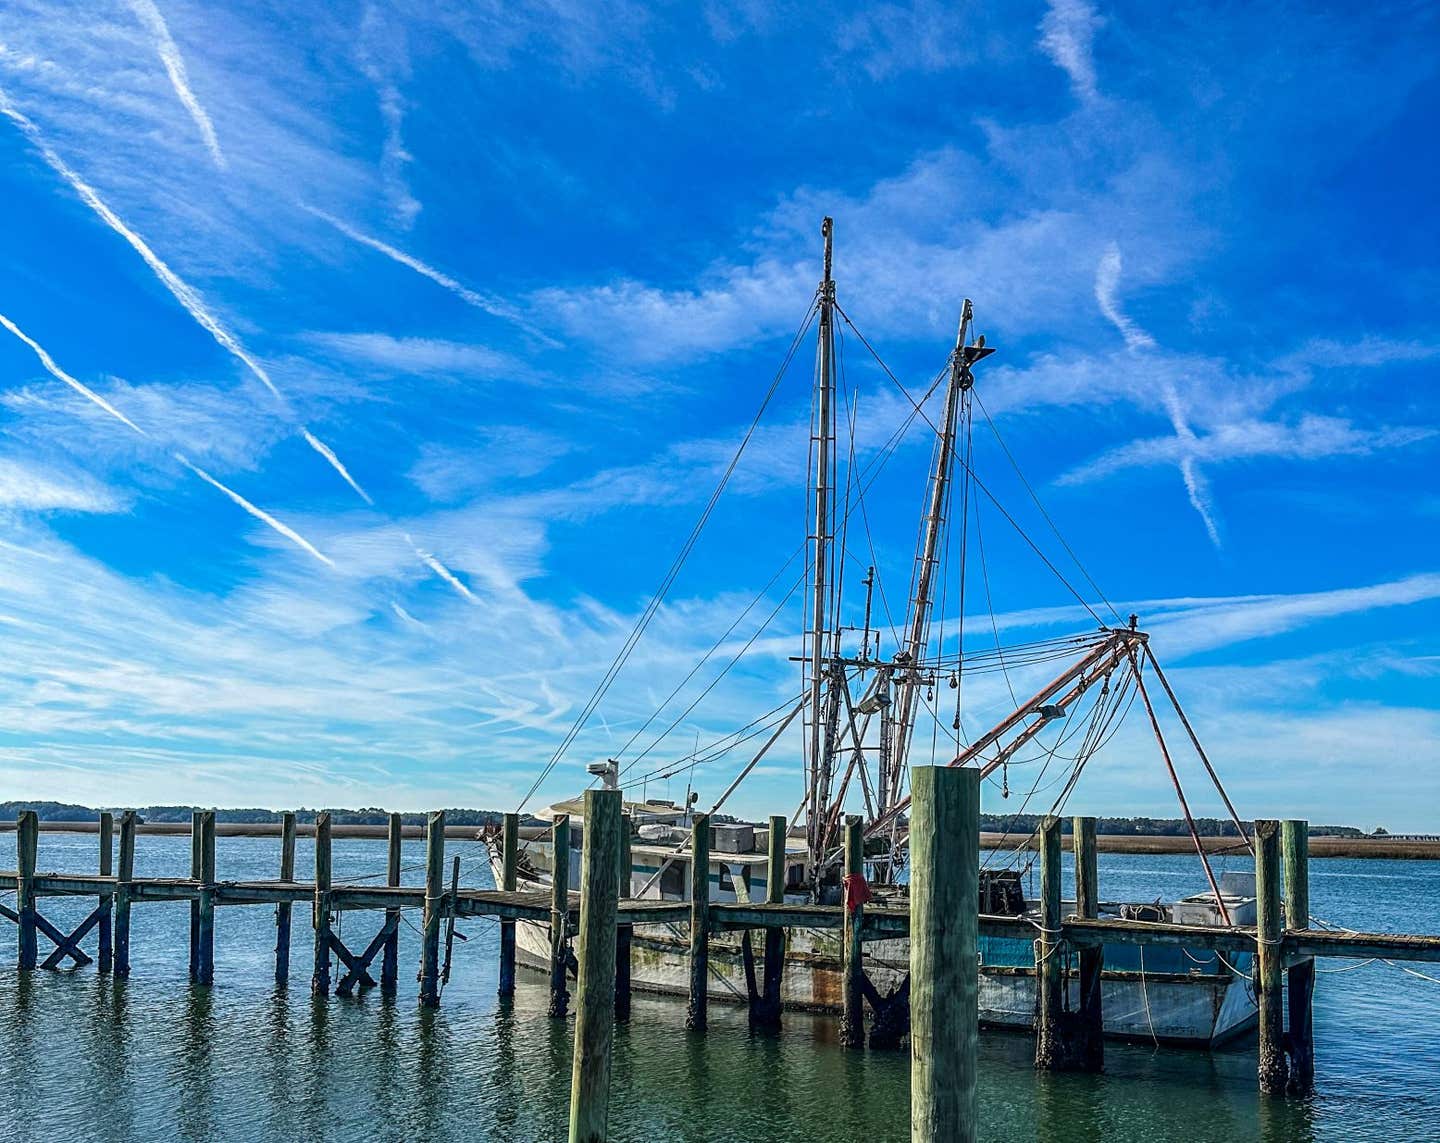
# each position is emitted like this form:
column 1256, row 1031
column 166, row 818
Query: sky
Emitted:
column 364, row 367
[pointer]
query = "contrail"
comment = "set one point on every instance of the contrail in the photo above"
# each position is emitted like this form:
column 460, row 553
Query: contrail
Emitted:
column 170, row 56
column 60, row 375
column 259, row 513
column 329, row 454
column 183, row 292
column 1197, row 487
column 464, row 293
column 195, row 306
column 440, row 569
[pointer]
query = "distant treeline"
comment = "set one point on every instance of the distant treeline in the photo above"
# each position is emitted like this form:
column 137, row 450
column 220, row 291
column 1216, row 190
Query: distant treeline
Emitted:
column 1025, row 824
column 64, row 812
column 1021, row 824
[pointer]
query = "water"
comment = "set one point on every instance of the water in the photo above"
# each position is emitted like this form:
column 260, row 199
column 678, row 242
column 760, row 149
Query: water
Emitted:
column 154, row 1058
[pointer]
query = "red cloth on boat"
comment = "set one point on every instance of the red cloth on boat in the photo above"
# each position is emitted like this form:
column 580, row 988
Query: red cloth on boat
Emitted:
column 857, row 891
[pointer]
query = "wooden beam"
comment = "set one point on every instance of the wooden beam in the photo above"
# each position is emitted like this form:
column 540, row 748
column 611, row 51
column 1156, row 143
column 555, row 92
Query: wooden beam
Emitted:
column 124, row 876
column 696, row 1010
column 105, row 938
column 1295, row 849
column 1269, row 962
column 390, row 957
column 852, row 1018
column 1050, row 985
column 509, row 867
column 600, row 872
column 70, row 945
column 320, row 919
column 450, row 918
column 767, row 1014
column 944, row 950
column 27, row 836
column 284, row 909
column 1090, row 1027
column 624, row 934
column 202, row 967
column 559, row 914
column 434, row 909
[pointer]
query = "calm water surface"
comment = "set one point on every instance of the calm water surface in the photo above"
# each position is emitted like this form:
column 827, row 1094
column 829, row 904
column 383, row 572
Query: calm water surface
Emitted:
column 155, row 1058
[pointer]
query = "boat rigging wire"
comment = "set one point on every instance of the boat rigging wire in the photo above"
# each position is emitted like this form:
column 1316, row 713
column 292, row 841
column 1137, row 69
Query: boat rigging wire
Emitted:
column 643, row 622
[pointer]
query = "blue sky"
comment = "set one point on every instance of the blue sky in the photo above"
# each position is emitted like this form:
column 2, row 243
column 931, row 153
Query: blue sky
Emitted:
column 364, row 366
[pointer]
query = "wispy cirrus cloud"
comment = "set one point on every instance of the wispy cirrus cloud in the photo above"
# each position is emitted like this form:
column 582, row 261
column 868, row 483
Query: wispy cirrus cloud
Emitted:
column 1312, row 437
column 29, row 487
column 1067, row 36
column 1197, row 486
column 419, row 354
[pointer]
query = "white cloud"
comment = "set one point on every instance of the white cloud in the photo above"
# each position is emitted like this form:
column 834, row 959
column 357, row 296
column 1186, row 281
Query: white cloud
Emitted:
column 419, row 355
column 1067, row 36
column 32, row 488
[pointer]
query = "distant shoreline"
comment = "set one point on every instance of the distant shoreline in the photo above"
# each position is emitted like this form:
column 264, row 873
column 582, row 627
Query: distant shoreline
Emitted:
column 1323, row 846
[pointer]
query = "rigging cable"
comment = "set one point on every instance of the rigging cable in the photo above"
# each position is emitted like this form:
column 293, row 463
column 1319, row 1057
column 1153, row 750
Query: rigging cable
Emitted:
column 623, row 655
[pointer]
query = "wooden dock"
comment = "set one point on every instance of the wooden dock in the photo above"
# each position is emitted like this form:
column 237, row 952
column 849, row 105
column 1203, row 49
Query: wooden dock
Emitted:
column 941, row 1034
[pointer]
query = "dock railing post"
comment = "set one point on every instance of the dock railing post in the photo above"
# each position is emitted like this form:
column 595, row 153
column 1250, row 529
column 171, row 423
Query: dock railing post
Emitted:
column 697, row 1009
column 1091, row 1046
column 434, row 909
column 509, row 866
column 27, row 844
column 852, row 1020
column 124, row 874
column 390, row 953
column 1295, row 845
column 624, row 934
column 1050, row 1053
column 595, row 988
column 284, row 910
column 944, row 952
column 559, row 914
column 106, row 957
column 203, row 970
column 1269, row 960
column 320, row 975
column 769, row 1017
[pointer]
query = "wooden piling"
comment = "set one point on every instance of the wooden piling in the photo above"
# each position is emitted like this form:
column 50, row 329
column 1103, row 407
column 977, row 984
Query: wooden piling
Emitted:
column 852, row 1020
column 1090, row 1037
column 124, row 874
column 320, row 974
column 106, row 904
column 595, row 989
column 434, row 909
column 195, row 832
column 509, row 864
column 768, row 1015
column 27, row 842
column 202, row 940
column 559, row 914
column 944, row 950
column 1050, row 1049
column 624, row 934
column 283, row 910
column 696, row 1010
column 1295, row 847
column 390, row 953
column 1269, row 961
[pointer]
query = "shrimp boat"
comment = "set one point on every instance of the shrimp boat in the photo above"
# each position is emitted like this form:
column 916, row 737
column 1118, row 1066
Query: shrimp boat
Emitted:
column 858, row 711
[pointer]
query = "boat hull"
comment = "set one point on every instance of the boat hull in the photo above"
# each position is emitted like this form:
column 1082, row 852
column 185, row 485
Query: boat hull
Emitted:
column 1199, row 1008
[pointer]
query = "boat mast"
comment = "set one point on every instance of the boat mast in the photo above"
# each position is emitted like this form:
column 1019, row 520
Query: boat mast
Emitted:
column 822, row 446
column 908, row 674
